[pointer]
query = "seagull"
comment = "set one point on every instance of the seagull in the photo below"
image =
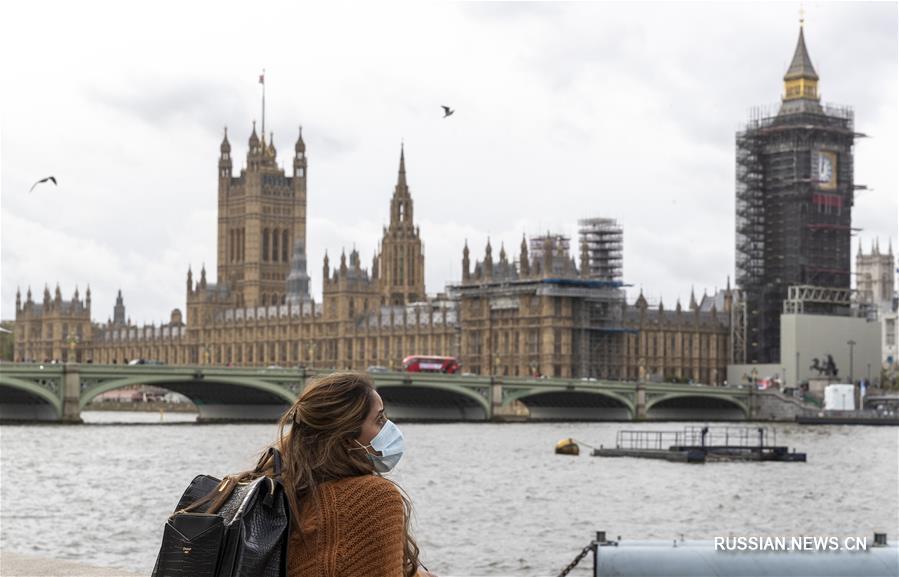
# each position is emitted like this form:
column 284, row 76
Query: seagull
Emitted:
column 447, row 111
column 42, row 180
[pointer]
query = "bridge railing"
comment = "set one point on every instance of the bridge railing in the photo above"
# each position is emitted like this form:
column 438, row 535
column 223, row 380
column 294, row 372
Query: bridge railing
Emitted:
column 697, row 436
column 647, row 440
column 745, row 437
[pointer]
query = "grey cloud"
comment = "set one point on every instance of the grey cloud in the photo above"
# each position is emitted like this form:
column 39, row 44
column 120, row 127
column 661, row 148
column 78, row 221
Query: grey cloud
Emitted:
column 204, row 103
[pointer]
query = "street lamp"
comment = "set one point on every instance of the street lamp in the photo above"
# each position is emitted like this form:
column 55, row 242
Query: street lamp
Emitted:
column 496, row 364
column 851, row 344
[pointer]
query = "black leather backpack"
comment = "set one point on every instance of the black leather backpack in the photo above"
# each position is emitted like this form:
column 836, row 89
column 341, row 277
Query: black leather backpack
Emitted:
column 245, row 537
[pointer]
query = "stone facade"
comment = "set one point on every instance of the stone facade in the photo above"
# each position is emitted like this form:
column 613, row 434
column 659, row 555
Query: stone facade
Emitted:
column 54, row 329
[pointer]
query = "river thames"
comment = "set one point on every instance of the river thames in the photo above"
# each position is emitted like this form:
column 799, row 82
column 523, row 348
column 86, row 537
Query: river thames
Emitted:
column 490, row 499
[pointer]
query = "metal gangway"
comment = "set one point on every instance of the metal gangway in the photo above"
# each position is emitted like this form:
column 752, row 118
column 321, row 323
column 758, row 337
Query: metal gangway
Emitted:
column 693, row 436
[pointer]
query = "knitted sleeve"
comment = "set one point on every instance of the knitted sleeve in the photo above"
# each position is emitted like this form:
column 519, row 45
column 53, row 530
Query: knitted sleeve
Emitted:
column 371, row 530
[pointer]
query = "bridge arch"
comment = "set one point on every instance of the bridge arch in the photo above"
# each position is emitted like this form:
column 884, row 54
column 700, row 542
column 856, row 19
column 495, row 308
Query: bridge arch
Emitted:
column 218, row 398
column 430, row 401
column 575, row 403
column 693, row 406
column 23, row 399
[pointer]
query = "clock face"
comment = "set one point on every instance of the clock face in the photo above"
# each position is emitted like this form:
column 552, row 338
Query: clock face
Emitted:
column 826, row 170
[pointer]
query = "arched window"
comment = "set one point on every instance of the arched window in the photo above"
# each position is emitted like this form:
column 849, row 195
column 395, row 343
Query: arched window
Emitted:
column 275, row 239
column 285, row 244
column 264, row 299
column 265, row 236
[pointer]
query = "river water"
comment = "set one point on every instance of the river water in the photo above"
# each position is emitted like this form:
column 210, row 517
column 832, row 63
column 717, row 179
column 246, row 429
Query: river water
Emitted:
column 490, row 499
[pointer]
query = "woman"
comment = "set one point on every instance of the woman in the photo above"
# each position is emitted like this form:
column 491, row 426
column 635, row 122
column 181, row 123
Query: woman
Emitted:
column 347, row 520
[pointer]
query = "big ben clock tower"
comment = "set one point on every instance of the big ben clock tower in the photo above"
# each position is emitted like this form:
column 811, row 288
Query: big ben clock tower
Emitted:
column 795, row 191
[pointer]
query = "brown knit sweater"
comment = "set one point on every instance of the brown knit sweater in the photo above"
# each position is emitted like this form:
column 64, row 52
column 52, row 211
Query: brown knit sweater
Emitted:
column 358, row 531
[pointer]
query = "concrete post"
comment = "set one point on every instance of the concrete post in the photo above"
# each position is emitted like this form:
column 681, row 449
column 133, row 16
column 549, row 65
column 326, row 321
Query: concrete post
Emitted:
column 71, row 393
column 640, row 412
column 752, row 400
column 496, row 397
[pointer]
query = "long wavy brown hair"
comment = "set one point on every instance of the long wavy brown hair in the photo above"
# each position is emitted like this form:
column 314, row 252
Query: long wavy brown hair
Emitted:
column 317, row 435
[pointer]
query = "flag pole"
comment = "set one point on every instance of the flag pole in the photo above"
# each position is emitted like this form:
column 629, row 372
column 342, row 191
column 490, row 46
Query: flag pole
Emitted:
column 262, row 81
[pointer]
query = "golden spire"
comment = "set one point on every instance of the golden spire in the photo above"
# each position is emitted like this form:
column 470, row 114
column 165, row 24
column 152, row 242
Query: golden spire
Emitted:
column 801, row 80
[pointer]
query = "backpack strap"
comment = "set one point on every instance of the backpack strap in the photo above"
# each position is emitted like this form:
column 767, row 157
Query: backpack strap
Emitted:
column 277, row 464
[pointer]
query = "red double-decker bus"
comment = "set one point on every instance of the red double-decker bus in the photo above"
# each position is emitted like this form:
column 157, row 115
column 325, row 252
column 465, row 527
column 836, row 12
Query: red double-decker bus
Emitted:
column 426, row 364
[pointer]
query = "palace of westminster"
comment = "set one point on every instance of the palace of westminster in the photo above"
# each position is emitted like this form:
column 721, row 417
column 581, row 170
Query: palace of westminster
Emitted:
column 540, row 313
column 552, row 309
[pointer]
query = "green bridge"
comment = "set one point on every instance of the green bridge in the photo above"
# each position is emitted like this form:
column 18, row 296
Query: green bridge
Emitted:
column 31, row 392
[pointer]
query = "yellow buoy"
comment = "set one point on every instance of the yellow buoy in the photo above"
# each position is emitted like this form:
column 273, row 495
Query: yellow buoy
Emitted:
column 567, row 447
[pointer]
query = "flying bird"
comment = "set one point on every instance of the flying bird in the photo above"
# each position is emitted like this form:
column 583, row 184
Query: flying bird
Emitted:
column 447, row 111
column 43, row 180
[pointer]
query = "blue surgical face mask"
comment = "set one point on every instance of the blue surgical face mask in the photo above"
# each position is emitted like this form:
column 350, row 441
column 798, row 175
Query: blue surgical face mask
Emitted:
column 390, row 444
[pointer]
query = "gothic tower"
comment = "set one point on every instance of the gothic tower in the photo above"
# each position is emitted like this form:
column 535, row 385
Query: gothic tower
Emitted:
column 261, row 222
column 402, row 260
column 874, row 276
column 795, row 191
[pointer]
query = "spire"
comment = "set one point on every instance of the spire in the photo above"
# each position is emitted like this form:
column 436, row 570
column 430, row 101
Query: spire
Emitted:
column 326, row 269
column 271, row 144
column 300, row 146
column 225, row 148
column 693, row 305
column 401, row 178
column 876, row 250
column 118, row 311
column 801, row 66
column 466, row 263
column 641, row 301
column 524, row 265
column 800, row 82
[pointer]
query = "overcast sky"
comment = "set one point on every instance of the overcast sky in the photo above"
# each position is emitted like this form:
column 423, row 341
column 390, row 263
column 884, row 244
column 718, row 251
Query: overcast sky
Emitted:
column 563, row 111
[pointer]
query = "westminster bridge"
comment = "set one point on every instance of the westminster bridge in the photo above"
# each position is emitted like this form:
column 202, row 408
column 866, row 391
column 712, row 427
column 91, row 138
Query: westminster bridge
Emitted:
column 59, row 392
